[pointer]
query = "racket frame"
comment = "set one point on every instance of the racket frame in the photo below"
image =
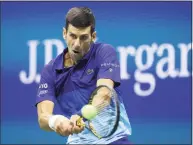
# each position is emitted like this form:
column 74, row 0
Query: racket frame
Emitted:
column 79, row 121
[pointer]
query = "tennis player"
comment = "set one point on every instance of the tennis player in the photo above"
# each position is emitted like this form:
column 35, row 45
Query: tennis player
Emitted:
column 70, row 78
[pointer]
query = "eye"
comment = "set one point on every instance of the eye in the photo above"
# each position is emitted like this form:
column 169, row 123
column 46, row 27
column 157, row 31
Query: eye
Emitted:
column 84, row 37
column 73, row 36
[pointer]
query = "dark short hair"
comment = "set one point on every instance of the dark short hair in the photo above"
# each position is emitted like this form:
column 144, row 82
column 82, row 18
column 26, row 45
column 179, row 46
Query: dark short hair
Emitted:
column 80, row 17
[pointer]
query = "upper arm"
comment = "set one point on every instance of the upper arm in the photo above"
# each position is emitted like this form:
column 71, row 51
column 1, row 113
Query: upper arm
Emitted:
column 46, row 89
column 109, row 67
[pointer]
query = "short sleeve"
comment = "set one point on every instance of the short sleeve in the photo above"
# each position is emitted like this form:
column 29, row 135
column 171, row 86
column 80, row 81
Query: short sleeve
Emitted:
column 46, row 89
column 109, row 67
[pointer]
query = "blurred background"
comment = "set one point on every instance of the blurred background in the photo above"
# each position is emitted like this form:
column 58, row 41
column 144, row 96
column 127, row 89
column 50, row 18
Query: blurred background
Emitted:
column 153, row 43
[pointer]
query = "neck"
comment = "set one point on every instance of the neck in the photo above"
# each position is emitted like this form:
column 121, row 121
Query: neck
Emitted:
column 68, row 62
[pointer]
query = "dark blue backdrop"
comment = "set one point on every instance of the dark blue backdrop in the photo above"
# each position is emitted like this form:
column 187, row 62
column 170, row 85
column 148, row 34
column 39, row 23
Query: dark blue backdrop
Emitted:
column 153, row 43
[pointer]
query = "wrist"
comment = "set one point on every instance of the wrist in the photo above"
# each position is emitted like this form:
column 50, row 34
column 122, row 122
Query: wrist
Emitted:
column 52, row 119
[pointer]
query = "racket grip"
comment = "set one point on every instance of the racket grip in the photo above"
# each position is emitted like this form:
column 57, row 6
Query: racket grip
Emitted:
column 79, row 122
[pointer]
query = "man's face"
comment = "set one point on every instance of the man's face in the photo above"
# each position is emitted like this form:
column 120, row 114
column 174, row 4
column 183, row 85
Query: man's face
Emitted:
column 78, row 41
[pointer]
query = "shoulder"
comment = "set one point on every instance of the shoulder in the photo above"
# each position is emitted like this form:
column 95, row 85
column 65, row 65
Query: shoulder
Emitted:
column 105, row 49
column 47, row 69
column 51, row 65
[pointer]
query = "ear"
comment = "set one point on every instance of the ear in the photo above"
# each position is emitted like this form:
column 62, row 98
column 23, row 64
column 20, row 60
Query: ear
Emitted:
column 94, row 36
column 64, row 33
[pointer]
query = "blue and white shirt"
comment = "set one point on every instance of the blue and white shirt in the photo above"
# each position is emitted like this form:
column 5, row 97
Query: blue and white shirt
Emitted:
column 71, row 87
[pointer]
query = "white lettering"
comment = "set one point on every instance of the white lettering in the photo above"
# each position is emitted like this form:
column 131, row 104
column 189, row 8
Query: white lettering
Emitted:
column 170, row 60
column 184, row 48
column 32, row 63
column 48, row 46
column 124, row 52
column 42, row 92
column 45, row 86
column 160, row 59
column 145, row 78
column 49, row 43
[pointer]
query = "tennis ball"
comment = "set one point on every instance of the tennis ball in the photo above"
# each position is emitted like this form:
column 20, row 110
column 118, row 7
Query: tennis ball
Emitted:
column 89, row 112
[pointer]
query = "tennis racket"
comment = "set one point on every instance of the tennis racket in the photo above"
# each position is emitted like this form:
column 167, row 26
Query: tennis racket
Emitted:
column 106, row 121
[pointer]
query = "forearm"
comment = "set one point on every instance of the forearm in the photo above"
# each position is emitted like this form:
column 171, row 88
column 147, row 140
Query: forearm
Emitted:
column 103, row 95
column 45, row 110
column 101, row 99
column 44, row 122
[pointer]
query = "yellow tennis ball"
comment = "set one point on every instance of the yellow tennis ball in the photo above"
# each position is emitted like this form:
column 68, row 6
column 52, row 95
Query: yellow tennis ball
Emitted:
column 89, row 112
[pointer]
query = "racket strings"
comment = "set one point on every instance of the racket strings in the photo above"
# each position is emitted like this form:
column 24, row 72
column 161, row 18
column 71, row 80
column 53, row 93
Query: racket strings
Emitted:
column 104, row 123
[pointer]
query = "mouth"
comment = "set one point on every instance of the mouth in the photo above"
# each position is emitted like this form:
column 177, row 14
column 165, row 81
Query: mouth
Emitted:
column 76, row 52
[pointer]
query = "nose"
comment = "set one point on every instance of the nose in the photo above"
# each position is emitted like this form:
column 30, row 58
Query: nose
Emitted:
column 77, row 43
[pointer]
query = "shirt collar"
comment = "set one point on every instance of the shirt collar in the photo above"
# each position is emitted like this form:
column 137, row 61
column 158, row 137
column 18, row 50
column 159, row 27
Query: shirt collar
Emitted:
column 59, row 61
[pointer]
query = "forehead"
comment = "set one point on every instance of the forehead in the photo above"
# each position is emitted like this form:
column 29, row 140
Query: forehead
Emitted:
column 79, row 30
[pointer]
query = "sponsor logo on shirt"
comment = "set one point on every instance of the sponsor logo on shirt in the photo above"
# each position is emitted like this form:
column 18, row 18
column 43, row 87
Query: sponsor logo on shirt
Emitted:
column 89, row 71
column 43, row 86
column 110, row 69
column 110, row 64
column 42, row 92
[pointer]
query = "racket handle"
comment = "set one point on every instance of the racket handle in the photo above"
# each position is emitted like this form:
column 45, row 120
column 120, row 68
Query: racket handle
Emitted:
column 79, row 122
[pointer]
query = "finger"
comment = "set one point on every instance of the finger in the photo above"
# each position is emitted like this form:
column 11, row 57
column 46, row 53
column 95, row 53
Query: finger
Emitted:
column 81, row 128
column 63, row 129
column 70, row 127
column 78, row 129
column 60, row 131
column 66, row 132
column 83, row 124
